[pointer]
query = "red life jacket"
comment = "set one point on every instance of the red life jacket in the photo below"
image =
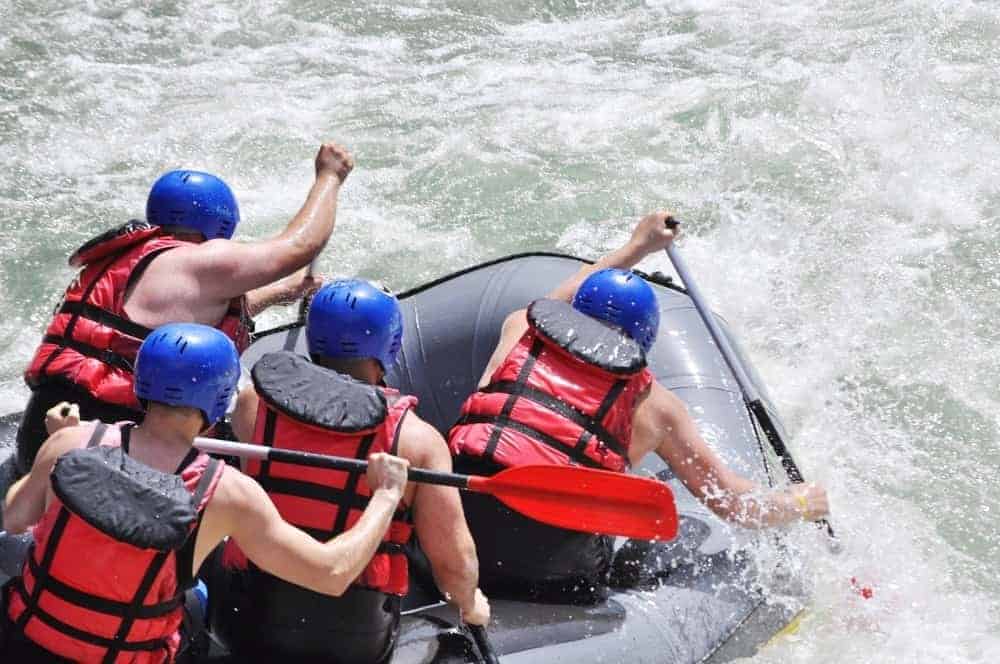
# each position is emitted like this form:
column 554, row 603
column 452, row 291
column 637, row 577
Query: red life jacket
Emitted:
column 105, row 579
column 564, row 395
column 307, row 408
column 91, row 342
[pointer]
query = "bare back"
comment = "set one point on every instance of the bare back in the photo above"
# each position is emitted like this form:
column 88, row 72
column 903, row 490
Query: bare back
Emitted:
column 168, row 292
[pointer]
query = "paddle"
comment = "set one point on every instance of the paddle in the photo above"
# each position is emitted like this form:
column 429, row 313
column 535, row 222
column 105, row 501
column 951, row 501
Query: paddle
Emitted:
column 750, row 395
column 489, row 655
column 590, row 501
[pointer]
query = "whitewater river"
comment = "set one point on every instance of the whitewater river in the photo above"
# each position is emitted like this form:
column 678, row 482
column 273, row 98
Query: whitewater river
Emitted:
column 837, row 164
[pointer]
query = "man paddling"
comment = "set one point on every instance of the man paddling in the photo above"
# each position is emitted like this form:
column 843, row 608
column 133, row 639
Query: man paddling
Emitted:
column 126, row 514
column 179, row 265
column 338, row 405
column 568, row 384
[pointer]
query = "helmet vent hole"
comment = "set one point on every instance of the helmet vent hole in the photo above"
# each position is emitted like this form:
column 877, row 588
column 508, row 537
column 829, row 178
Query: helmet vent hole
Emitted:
column 173, row 392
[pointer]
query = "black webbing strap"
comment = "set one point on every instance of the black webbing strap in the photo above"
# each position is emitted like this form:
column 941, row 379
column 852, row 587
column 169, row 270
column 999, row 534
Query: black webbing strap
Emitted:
column 394, row 448
column 592, row 424
column 132, row 612
column 98, row 435
column 109, row 357
column 68, row 332
column 321, row 492
column 351, row 486
column 609, row 400
column 405, row 515
column 184, row 559
column 92, row 602
column 31, row 603
column 503, row 419
column 572, row 451
column 87, row 637
column 104, row 317
column 270, row 422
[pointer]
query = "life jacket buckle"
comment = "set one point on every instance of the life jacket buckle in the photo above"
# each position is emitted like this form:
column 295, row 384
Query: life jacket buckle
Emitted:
column 113, row 359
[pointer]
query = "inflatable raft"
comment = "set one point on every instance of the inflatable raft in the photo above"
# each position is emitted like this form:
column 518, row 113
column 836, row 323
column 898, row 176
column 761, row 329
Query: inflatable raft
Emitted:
column 698, row 598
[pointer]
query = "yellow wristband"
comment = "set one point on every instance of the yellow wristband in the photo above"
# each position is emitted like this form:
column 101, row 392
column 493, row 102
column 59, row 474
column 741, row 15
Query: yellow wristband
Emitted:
column 804, row 504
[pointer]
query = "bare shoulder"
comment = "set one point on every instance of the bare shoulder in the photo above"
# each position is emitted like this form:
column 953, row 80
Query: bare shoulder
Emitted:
column 237, row 491
column 659, row 405
column 64, row 440
column 516, row 322
column 421, row 444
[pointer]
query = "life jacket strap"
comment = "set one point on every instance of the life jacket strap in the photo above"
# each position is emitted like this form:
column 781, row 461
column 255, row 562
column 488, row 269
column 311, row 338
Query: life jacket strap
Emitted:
column 104, row 317
column 67, row 335
column 575, row 452
column 519, row 389
column 108, row 357
column 590, row 423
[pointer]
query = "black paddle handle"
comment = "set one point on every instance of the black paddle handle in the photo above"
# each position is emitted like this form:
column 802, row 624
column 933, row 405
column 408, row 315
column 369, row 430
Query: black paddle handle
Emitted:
column 778, row 445
column 360, row 466
column 484, row 645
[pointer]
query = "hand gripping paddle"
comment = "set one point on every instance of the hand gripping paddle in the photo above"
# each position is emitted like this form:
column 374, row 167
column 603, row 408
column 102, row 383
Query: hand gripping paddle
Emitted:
column 750, row 396
column 590, row 501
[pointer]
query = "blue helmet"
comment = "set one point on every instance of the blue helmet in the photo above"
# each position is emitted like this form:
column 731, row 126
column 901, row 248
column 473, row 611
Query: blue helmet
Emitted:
column 187, row 364
column 623, row 299
column 199, row 201
column 352, row 318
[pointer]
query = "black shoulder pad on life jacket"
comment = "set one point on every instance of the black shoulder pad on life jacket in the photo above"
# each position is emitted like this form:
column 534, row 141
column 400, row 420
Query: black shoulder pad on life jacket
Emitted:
column 586, row 338
column 314, row 395
column 113, row 241
column 124, row 498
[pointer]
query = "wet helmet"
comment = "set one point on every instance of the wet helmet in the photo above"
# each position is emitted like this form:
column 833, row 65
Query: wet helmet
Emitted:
column 623, row 299
column 352, row 318
column 198, row 201
column 187, row 364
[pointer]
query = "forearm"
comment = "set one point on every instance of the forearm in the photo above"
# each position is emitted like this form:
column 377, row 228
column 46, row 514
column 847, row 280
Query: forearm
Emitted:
column 756, row 509
column 19, row 513
column 458, row 581
column 624, row 258
column 351, row 551
column 261, row 298
column 277, row 292
column 308, row 231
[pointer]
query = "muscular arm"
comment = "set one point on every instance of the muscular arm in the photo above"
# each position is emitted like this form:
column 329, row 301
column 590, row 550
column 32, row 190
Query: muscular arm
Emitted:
column 439, row 519
column 26, row 498
column 196, row 282
column 244, row 418
column 241, row 509
column 662, row 424
column 224, row 269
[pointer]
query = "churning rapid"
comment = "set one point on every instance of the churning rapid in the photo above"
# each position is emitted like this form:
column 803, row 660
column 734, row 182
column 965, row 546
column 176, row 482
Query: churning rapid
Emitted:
column 837, row 166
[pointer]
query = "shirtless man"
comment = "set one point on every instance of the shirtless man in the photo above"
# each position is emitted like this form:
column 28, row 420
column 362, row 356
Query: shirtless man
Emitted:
column 338, row 404
column 125, row 515
column 568, row 384
column 179, row 265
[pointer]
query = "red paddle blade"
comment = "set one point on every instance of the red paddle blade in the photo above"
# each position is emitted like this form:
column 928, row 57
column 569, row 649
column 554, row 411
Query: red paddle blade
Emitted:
column 591, row 501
